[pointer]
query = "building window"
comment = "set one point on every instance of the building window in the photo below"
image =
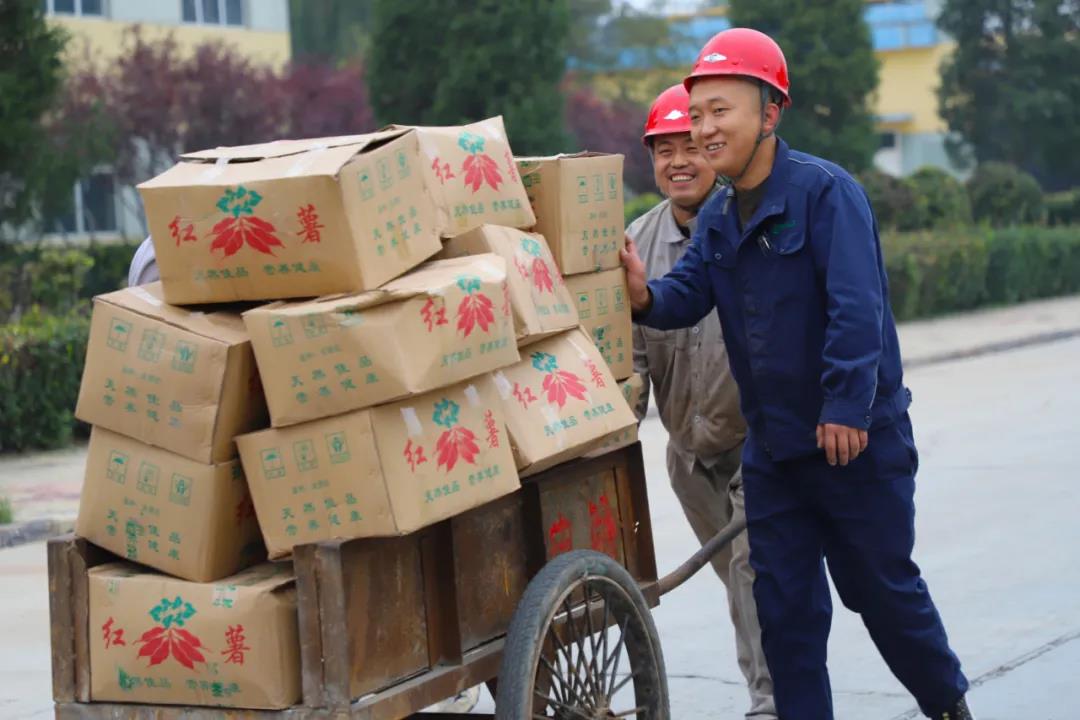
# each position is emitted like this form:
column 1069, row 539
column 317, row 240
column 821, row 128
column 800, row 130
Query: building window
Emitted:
column 94, row 208
column 887, row 140
column 89, row 8
column 213, row 12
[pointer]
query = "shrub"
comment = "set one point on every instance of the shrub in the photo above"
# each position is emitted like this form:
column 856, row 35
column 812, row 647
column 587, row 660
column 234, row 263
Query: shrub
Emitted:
column 7, row 515
column 639, row 205
column 931, row 273
column 57, row 280
column 1003, row 195
column 41, row 361
column 896, row 204
column 1063, row 208
column 945, row 201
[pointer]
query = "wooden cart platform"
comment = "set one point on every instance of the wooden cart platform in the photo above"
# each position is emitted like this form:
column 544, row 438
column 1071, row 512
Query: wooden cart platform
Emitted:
column 390, row 626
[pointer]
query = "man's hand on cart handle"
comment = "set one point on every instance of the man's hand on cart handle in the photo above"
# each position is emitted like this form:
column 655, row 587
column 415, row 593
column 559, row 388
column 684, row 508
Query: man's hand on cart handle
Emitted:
column 841, row 443
column 636, row 281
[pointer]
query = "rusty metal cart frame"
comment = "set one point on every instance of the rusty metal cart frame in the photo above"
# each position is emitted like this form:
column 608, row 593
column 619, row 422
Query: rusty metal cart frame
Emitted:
column 368, row 653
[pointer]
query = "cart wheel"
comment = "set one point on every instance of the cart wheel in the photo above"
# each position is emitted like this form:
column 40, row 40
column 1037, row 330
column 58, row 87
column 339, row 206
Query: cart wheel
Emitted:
column 582, row 646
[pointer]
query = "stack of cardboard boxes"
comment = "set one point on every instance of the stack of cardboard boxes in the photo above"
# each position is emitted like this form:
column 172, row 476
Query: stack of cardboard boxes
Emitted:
column 441, row 357
column 578, row 200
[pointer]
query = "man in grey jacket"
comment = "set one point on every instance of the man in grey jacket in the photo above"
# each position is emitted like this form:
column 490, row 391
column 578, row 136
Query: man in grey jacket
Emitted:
column 695, row 393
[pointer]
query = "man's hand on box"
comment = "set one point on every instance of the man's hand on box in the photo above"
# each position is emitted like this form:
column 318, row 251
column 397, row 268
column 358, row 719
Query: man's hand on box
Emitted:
column 842, row 444
column 636, row 281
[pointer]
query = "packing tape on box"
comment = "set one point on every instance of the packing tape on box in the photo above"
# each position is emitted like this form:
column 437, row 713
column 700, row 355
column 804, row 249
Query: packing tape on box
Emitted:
column 305, row 160
column 503, row 386
column 551, row 416
column 472, row 396
column 583, row 356
column 212, row 172
column 412, row 422
column 492, row 130
column 146, row 297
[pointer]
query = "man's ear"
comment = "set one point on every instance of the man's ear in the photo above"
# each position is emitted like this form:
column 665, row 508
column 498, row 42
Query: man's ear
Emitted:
column 772, row 118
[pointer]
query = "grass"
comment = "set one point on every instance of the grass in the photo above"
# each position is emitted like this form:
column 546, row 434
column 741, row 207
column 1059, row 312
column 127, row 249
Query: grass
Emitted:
column 7, row 515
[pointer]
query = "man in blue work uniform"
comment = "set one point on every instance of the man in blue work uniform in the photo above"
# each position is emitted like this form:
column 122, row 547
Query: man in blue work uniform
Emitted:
column 790, row 258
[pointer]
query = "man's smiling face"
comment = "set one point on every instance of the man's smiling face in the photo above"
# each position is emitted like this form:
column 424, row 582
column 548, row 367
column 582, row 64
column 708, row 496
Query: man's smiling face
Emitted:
column 681, row 170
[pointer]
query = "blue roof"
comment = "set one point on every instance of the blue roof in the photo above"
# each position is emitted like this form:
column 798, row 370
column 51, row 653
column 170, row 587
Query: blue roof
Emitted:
column 893, row 26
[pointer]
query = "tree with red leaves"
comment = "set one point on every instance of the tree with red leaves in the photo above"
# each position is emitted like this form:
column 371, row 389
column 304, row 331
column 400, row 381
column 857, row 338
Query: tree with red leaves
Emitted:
column 161, row 101
column 613, row 127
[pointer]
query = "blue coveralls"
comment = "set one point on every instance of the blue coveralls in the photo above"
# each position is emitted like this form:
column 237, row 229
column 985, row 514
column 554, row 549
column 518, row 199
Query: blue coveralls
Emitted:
column 802, row 296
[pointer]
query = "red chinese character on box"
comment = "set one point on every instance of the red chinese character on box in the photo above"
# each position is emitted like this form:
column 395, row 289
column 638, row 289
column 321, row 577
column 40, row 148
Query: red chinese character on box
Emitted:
column 245, row 509
column 433, row 315
column 235, row 647
column 560, row 537
column 604, row 532
column 524, row 395
column 174, row 231
column 309, row 224
column 597, row 376
column 492, row 429
column 522, row 268
column 414, row 454
column 511, row 167
column 112, row 637
column 442, row 170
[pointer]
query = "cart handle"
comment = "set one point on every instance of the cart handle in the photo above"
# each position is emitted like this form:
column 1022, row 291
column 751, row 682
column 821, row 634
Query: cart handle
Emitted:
column 697, row 561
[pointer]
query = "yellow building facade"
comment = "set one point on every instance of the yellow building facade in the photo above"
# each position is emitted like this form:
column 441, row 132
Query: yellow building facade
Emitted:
column 257, row 29
column 906, row 41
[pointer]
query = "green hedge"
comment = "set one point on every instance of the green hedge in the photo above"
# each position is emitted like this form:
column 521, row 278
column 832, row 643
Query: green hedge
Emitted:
column 639, row 205
column 41, row 361
column 951, row 271
column 60, row 279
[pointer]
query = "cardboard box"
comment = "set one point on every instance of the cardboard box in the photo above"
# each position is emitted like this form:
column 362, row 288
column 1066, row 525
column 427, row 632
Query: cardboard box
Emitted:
column 631, row 389
column 445, row 322
column 578, row 201
column 177, row 379
column 151, row 506
column 473, row 177
column 561, row 402
column 383, row 471
column 541, row 303
column 156, row 639
column 294, row 218
column 601, row 300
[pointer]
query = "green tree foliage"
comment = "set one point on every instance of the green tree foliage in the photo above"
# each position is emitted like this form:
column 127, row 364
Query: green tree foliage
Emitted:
column 31, row 75
column 329, row 31
column 438, row 63
column 1006, row 91
column 834, row 74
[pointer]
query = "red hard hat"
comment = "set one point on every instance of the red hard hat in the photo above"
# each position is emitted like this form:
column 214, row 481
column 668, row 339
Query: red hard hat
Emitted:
column 746, row 53
column 670, row 113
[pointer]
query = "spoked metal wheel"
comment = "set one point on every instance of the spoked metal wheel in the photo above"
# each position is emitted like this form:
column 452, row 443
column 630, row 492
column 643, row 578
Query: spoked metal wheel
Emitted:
column 582, row 646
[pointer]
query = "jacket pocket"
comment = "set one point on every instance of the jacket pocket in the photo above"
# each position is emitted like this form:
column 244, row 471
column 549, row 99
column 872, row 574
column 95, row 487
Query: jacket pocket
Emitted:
column 675, row 339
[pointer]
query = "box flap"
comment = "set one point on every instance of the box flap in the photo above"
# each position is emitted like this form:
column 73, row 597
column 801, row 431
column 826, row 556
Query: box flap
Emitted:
column 148, row 300
column 282, row 148
column 265, row 577
column 562, row 156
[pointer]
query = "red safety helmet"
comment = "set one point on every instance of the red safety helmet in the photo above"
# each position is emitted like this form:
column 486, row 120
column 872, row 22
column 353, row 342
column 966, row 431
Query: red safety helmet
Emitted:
column 746, row 53
column 669, row 114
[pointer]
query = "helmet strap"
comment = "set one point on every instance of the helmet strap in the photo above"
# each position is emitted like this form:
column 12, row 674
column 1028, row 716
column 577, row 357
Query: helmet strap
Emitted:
column 760, row 136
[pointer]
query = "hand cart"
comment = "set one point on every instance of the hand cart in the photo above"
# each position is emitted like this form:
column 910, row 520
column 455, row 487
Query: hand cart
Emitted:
column 544, row 595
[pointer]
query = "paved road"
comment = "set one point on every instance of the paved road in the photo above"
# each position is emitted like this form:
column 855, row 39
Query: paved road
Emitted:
column 998, row 537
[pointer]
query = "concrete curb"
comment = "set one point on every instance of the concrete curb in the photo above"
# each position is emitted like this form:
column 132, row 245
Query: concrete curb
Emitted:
column 34, row 530
column 991, row 348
